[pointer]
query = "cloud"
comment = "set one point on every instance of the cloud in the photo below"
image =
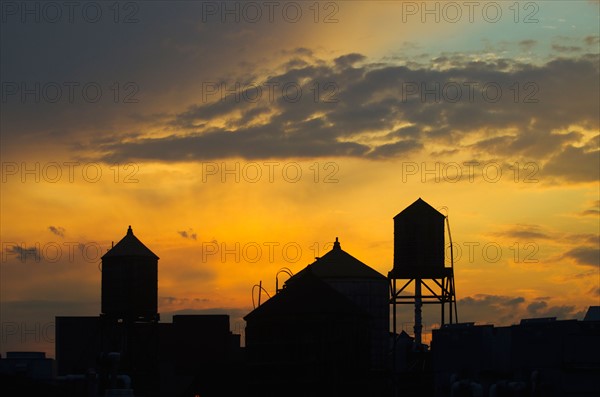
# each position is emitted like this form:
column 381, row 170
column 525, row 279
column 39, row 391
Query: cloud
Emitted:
column 59, row 231
column 582, row 238
column 349, row 60
column 357, row 108
column 581, row 275
column 562, row 48
column 586, row 256
column 524, row 232
column 492, row 300
column 505, row 310
column 498, row 309
column 575, row 164
column 592, row 40
column 514, row 301
column 189, row 234
column 594, row 211
column 527, row 45
column 395, row 149
column 25, row 254
column 171, row 300
column 542, row 309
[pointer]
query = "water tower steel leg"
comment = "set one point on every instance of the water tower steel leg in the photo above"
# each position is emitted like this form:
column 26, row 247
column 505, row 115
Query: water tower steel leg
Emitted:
column 394, row 324
column 394, row 305
column 443, row 306
column 453, row 299
column 418, row 318
column 451, row 293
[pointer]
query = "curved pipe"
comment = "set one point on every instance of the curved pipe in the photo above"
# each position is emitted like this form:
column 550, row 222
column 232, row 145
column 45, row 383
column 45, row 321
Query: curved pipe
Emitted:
column 261, row 288
column 282, row 270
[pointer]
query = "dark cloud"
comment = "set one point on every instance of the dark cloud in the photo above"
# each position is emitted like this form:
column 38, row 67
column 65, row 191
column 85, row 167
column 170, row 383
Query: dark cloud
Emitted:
column 587, row 256
column 591, row 211
column 349, row 60
column 525, row 232
column 562, row 48
column 575, row 164
column 189, row 234
column 534, row 144
column 542, row 309
column 172, row 54
column 527, row 45
column 536, row 307
column 506, row 310
column 582, row 275
column 25, row 254
column 583, row 238
column 491, row 300
column 594, row 211
column 339, row 119
column 171, row 300
column 485, row 308
column 396, row 149
column 59, row 231
column 592, row 40
column 494, row 309
column 514, row 302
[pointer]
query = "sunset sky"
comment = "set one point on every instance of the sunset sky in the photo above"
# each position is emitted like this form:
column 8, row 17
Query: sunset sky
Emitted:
column 238, row 138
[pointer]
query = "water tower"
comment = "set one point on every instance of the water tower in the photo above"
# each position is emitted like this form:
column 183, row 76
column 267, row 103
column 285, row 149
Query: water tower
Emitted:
column 129, row 318
column 130, row 281
column 419, row 261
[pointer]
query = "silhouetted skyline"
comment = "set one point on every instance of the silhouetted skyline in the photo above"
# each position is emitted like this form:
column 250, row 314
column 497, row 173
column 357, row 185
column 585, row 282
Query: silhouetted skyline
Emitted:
column 242, row 140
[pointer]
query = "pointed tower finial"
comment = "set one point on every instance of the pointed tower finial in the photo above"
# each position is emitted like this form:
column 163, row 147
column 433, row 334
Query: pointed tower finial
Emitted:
column 337, row 245
column 129, row 231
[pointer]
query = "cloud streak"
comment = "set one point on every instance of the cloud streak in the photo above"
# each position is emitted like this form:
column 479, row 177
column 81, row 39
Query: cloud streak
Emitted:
column 382, row 111
column 59, row 231
column 585, row 256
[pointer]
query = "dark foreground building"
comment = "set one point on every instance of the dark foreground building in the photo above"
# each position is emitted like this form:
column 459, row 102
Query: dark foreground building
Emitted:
column 538, row 357
column 324, row 334
column 127, row 351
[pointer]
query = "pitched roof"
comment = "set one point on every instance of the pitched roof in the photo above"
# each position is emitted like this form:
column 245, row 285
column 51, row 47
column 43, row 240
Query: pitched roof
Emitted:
column 306, row 295
column 593, row 314
column 419, row 208
column 130, row 246
column 337, row 263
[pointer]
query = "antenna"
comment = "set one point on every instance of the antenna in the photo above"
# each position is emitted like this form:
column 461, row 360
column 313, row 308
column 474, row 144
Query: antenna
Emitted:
column 451, row 285
column 260, row 289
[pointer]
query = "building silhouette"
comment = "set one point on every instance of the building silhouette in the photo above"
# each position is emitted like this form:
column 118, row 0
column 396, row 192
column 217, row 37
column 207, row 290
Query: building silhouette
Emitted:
column 130, row 282
column 325, row 333
column 364, row 286
column 127, row 351
column 537, row 357
column 419, row 260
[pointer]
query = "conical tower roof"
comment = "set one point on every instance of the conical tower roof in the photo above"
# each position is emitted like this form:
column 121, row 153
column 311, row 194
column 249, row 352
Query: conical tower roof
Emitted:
column 419, row 209
column 130, row 246
column 306, row 295
column 337, row 264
